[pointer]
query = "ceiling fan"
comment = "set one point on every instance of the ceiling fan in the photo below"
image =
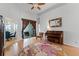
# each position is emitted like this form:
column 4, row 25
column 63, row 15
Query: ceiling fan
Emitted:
column 36, row 5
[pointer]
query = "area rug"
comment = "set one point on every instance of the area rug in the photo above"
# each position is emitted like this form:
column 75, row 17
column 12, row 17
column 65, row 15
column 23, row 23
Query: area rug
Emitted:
column 41, row 49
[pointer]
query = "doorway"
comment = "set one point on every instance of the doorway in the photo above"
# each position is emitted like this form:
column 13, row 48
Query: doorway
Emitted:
column 28, row 28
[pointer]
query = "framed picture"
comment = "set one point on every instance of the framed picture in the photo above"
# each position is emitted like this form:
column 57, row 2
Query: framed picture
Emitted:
column 55, row 22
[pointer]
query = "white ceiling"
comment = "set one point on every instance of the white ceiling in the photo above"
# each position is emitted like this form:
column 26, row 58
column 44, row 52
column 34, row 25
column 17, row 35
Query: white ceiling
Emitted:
column 25, row 7
column 45, row 8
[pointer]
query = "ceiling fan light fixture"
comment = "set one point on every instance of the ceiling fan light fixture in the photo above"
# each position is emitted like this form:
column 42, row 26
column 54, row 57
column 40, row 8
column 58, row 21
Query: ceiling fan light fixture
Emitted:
column 36, row 5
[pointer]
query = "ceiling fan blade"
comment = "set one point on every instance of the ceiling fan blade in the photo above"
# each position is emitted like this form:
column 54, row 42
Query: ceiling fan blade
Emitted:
column 41, row 3
column 39, row 8
column 30, row 3
column 37, row 3
column 32, row 7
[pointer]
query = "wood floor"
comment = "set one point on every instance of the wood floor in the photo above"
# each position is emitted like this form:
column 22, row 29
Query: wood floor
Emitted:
column 71, row 51
column 17, row 46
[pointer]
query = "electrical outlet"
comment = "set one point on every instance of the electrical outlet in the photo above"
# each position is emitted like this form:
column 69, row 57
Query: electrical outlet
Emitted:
column 76, row 42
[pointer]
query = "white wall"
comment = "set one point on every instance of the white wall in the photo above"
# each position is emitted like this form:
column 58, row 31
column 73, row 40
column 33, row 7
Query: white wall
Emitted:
column 70, row 22
column 15, row 12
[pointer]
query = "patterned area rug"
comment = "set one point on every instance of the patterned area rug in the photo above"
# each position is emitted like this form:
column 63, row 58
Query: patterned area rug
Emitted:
column 42, row 49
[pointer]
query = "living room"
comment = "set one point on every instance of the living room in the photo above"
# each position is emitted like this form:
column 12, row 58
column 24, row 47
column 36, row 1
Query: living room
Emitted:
column 14, row 15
